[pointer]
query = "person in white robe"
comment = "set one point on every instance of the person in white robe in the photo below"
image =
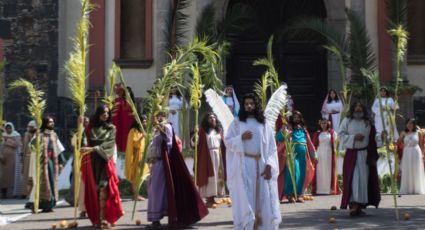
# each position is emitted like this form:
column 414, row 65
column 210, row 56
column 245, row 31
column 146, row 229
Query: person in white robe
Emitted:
column 412, row 164
column 360, row 175
column 388, row 105
column 252, row 169
column 332, row 109
column 175, row 104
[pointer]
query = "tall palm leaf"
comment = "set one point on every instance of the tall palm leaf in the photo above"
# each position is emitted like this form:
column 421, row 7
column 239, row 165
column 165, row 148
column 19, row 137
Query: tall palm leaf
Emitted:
column 108, row 98
column 396, row 12
column 36, row 107
column 361, row 56
column 76, row 70
column 174, row 73
column 374, row 79
column 195, row 102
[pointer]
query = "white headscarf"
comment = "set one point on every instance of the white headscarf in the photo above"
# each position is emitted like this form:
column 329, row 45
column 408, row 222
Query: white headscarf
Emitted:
column 13, row 133
column 236, row 106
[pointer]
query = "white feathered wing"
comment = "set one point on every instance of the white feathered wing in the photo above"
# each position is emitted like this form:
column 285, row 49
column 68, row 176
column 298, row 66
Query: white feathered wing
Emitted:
column 276, row 103
column 224, row 115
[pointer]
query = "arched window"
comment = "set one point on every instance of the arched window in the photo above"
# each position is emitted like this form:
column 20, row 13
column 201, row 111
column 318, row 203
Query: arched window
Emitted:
column 133, row 33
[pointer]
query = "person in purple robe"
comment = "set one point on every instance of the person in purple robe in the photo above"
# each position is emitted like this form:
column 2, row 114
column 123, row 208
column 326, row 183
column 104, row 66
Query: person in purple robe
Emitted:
column 171, row 190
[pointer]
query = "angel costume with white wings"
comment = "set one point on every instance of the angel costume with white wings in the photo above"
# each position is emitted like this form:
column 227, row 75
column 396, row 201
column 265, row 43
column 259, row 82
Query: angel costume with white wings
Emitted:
column 246, row 160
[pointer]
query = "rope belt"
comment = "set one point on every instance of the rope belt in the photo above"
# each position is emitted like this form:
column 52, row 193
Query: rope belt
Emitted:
column 258, row 220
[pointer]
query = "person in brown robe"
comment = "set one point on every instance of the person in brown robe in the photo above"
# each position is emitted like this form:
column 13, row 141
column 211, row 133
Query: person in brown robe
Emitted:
column 211, row 158
column 11, row 147
column 26, row 150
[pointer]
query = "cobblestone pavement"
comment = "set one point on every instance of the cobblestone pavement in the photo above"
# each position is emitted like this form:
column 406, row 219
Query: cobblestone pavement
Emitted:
column 310, row 215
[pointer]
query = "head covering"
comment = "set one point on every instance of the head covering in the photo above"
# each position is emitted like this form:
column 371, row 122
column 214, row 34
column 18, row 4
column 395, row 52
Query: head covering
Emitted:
column 13, row 133
column 236, row 105
column 323, row 111
column 32, row 124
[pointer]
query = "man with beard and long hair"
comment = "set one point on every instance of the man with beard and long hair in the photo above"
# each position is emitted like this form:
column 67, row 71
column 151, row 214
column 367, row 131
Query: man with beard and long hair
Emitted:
column 50, row 150
column 101, row 194
column 360, row 176
column 304, row 156
column 171, row 191
column 211, row 157
column 252, row 168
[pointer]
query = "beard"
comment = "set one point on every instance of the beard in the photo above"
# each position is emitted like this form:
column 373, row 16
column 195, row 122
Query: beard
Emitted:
column 251, row 113
column 358, row 115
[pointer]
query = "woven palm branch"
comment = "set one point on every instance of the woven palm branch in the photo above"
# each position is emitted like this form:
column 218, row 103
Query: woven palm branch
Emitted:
column 76, row 70
column 36, row 107
column 373, row 77
column 108, row 98
column 260, row 88
column 195, row 102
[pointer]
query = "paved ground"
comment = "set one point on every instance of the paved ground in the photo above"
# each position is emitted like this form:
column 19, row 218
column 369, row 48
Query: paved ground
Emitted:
column 310, row 215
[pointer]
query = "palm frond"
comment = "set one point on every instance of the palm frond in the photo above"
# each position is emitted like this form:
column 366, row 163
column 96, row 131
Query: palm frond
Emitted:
column 361, row 51
column 238, row 19
column 260, row 88
column 397, row 12
column 36, row 107
column 196, row 88
column 401, row 37
column 318, row 26
column 76, row 69
column 206, row 25
column 182, row 21
column 388, row 140
column 108, row 99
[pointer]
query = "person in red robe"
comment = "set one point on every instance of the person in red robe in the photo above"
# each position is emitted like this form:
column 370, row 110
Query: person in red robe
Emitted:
column 327, row 132
column 122, row 116
column 211, row 160
column 101, row 194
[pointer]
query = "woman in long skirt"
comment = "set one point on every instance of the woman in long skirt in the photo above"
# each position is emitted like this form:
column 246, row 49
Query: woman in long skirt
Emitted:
column 412, row 166
column 326, row 176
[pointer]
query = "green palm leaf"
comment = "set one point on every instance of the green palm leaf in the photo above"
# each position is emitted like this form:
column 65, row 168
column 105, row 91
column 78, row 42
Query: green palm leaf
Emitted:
column 36, row 107
column 76, row 69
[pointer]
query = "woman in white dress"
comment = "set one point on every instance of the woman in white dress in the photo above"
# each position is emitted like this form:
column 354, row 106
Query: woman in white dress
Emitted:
column 231, row 100
column 332, row 109
column 175, row 104
column 326, row 177
column 412, row 165
column 388, row 105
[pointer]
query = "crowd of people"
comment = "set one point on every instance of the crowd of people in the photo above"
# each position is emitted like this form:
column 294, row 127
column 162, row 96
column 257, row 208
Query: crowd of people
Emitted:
column 258, row 166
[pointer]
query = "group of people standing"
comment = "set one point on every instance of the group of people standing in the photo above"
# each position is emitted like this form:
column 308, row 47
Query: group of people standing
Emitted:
column 17, row 161
column 261, row 165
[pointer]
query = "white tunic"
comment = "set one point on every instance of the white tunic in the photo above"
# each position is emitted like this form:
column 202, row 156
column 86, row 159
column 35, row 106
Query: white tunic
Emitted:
column 412, row 166
column 348, row 129
column 241, row 175
column 215, row 185
column 327, row 110
column 324, row 165
column 175, row 103
column 388, row 104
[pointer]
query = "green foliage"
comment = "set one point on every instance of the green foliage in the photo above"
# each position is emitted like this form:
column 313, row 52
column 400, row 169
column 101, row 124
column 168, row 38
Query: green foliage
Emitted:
column 76, row 69
column 36, row 107
column 108, row 98
column 397, row 12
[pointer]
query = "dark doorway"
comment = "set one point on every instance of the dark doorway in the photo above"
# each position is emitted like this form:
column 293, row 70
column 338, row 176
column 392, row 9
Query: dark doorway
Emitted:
column 301, row 64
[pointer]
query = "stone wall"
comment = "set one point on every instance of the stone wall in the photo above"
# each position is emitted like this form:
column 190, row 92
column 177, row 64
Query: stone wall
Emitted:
column 29, row 29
